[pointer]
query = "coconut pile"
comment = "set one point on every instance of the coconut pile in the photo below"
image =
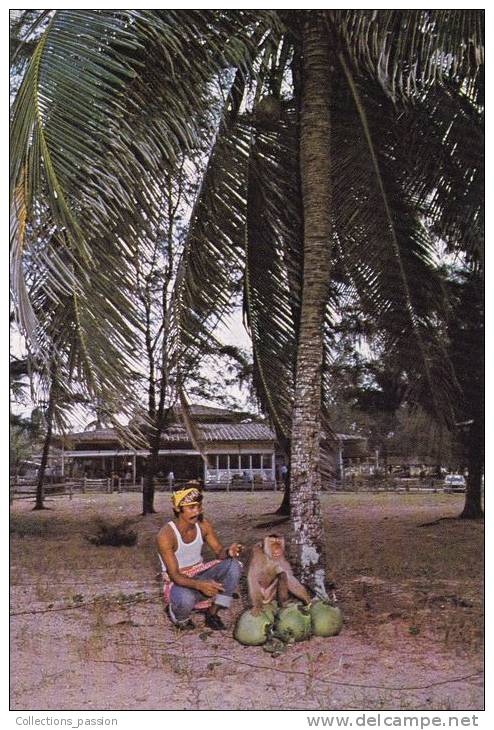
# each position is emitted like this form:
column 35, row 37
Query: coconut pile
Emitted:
column 274, row 628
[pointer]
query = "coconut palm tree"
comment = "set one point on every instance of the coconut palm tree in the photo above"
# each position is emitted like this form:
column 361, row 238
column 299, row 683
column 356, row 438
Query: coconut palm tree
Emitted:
column 319, row 180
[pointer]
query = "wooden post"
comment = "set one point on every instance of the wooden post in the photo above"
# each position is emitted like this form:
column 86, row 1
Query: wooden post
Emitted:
column 142, row 484
column 70, row 490
column 84, row 484
column 120, row 484
column 109, row 484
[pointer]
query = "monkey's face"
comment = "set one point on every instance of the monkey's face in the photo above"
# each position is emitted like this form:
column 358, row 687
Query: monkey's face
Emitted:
column 274, row 546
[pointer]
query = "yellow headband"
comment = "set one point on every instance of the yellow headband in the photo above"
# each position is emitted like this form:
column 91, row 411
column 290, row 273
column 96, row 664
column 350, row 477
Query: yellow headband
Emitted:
column 190, row 495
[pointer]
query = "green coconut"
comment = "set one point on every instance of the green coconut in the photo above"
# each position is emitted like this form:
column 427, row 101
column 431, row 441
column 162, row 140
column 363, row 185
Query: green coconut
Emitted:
column 253, row 630
column 326, row 620
column 293, row 623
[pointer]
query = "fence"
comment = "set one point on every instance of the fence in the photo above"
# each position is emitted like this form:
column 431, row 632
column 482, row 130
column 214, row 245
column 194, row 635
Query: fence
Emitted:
column 26, row 489
column 389, row 484
column 23, row 488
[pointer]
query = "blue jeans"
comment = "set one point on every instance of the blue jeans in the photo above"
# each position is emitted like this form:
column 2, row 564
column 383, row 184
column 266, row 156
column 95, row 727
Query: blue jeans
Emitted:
column 183, row 600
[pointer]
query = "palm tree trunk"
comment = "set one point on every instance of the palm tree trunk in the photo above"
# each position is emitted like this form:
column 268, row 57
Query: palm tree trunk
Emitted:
column 40, row 493
column 472, row 509
column 305, row 475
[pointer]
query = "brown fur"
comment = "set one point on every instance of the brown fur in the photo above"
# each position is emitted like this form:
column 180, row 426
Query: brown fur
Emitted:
column 270, row 575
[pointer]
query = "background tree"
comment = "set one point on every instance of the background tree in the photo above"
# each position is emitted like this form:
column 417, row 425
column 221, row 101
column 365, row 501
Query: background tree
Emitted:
column 467, row 353
column 20, row 446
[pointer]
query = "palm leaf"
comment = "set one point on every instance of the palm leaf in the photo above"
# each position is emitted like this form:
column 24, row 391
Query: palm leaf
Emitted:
column 444, row 171
column 408, row 50
column 103, row 112
column 273, row 267
column 209, row 273
column 385, row 250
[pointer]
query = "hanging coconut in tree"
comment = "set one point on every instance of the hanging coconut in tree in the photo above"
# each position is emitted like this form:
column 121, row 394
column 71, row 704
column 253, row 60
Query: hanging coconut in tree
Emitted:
column 293, row 623
column 268, row 112
column 326, row 619
column 253, row 630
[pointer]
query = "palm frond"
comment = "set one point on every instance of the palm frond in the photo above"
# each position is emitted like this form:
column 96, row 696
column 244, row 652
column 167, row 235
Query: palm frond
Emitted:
column 103, row 112
column 385, row 249
column 444, row 166
column 408, row 50
column 209, row 272
column 273, row 267
column 190, row 426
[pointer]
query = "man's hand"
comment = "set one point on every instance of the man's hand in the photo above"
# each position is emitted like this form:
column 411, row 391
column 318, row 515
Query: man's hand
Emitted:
column 209, row 587
column 234, row 550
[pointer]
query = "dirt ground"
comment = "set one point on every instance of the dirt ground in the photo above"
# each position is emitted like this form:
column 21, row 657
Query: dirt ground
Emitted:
column 88, row 630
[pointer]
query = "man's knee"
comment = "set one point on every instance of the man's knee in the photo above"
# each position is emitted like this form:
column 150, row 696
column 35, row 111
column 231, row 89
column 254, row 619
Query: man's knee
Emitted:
column 233, row 567
column 182, row 599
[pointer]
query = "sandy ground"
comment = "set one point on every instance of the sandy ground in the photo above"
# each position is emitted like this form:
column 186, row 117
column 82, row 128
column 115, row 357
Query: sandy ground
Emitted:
column 88, row 629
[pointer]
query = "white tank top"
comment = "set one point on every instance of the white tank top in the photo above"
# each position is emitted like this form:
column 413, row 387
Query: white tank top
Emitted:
column 188, row 553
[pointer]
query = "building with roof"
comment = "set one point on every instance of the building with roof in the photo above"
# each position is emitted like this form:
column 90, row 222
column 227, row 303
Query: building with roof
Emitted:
column 235, row 451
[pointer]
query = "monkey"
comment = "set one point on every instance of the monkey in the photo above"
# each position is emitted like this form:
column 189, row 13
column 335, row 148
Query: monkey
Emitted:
column 270, row 575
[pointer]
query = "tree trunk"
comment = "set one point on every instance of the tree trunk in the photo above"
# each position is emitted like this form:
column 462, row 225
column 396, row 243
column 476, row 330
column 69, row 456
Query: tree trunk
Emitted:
column 316, row 192
column 40, row 494
column 151, row 468
column 284, row 508
column 473, row 497
column 152, row 463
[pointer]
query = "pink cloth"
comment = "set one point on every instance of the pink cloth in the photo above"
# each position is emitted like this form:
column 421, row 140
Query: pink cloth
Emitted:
column 190, row 572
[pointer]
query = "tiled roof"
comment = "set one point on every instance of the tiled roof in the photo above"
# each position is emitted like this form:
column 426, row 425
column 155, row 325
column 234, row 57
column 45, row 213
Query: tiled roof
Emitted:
column 236, row 432
column 199, row 411
column 102, row 434
column 208, row 432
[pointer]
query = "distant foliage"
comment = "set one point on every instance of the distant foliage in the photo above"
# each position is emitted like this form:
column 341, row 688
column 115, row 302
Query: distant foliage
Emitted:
column 114, row 534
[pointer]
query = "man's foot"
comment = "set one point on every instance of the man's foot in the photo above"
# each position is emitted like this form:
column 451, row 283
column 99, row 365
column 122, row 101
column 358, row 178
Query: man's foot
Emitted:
column 180, row 625
column 185, row 625
column 214, row 622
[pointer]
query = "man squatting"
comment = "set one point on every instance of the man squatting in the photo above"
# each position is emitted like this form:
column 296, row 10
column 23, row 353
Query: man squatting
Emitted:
column 188, row 582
